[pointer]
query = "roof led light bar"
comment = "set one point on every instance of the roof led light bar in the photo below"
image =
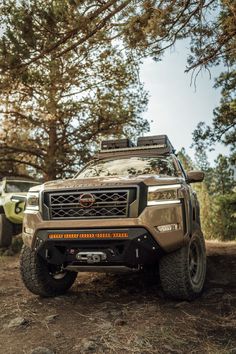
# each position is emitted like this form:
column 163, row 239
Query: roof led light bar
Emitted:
column 143, row 143
column 116, row 144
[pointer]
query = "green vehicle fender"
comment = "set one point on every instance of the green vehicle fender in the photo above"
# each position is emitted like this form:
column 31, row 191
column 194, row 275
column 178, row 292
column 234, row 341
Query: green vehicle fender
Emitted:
column 13, row 208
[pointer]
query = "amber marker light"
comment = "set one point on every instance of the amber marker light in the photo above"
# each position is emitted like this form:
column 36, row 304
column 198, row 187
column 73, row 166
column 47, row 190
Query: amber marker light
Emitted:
column 88, row 235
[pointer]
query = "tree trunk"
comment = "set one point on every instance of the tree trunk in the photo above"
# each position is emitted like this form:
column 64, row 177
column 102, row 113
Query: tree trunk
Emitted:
column 51, row 164
column 51, row 161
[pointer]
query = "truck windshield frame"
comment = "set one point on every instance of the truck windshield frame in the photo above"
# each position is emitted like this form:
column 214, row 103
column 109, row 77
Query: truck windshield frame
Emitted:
column 18, row 186
column 130, row 167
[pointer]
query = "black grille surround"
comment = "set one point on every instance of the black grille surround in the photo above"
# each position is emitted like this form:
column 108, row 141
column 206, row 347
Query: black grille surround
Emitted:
column 105, row 203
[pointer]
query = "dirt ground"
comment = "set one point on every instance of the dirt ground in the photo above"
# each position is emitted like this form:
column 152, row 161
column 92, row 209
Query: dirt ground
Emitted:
column 121, row 314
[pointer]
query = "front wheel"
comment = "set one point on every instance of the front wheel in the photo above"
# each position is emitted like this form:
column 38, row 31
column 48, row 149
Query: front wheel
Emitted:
column 41, row 278
column 183, row 272
column 6, row 231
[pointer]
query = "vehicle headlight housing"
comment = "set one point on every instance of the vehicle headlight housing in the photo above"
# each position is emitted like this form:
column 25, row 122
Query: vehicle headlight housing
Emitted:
column 168, row 194
column 32, row 201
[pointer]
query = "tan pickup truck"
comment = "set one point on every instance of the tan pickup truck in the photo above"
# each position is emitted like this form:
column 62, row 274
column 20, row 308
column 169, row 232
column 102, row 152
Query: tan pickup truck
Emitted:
column 131, row 208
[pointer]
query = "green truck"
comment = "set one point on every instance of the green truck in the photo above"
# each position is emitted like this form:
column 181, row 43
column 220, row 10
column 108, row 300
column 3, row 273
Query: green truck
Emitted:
column 13, row 191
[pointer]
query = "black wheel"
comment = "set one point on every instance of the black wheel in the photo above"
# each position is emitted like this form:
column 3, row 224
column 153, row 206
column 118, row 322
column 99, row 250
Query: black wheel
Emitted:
column 41, row 278
column 6, row 231
column 183, row 272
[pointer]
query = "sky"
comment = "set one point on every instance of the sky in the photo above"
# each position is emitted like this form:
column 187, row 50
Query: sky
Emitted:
column 175, row 106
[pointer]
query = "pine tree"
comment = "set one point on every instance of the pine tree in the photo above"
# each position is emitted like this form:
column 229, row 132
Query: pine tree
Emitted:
column 223, row 127
column 55, row 111
column 224, row 217
column 147, row 26
column 186, row 160
column 223, row 176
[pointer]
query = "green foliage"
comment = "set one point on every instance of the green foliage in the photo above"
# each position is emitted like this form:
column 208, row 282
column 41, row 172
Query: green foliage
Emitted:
column 185, row 160
column 224, row 217
column 216, row 194
column 202, row 160
column 56, row 110
column 203, row 164
column 222, row 32
column 223, row 201
column 206, row 201
column 223, row 127
column 148, row 27
column 212, row 41
column 223, row 181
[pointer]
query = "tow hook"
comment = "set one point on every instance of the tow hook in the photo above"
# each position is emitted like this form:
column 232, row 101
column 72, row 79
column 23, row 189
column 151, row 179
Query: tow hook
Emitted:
column 91, row 257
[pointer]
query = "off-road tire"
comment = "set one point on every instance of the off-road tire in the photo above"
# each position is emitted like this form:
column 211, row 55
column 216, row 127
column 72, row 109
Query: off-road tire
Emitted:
column 175, row 270
column 37, row 278
column 6, row 231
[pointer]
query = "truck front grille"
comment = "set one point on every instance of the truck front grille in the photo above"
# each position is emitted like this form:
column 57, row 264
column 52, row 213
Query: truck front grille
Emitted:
column 89, row 204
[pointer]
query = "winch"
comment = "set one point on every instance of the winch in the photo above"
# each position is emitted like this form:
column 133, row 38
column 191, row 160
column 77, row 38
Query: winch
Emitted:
column 91, row 257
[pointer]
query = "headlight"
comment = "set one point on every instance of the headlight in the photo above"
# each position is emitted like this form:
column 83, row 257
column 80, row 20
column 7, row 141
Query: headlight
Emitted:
column 32, row 201
column 163, row 194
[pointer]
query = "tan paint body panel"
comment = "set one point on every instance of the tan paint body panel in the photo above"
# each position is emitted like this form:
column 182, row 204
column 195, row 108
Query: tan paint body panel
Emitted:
column 150, row 217
column 107, row 182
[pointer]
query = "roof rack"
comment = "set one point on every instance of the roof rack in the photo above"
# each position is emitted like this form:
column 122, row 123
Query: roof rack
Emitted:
column 116, row 144
column 159, row 143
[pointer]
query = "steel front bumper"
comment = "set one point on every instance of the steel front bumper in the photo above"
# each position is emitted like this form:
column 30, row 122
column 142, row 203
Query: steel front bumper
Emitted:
column 149, row 220
column 131, row 248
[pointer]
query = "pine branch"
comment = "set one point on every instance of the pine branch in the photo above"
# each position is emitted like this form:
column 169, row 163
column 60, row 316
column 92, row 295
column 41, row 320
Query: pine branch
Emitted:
column 30, row 150
column 27, row 163
column 75, row 31
column 96, row 29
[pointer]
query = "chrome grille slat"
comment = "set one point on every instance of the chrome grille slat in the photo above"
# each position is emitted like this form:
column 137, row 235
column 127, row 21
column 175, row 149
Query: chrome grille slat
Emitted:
column 107, row 204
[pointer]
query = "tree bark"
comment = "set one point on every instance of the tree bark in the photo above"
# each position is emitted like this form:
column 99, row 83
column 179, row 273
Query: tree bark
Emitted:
column 51, row 168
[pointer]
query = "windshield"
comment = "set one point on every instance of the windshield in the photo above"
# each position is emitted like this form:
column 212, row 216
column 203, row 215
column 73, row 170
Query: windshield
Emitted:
column 133, row 166
column 18, row 187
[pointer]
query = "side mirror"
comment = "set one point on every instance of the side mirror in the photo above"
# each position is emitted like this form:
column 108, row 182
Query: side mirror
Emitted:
column 195, row 176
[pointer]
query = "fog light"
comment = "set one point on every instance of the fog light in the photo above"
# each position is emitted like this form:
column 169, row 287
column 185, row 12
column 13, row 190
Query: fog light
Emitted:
column 168, row 228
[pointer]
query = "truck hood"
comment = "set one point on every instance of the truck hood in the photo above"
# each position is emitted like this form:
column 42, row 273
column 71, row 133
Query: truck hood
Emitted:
column 149, row 180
